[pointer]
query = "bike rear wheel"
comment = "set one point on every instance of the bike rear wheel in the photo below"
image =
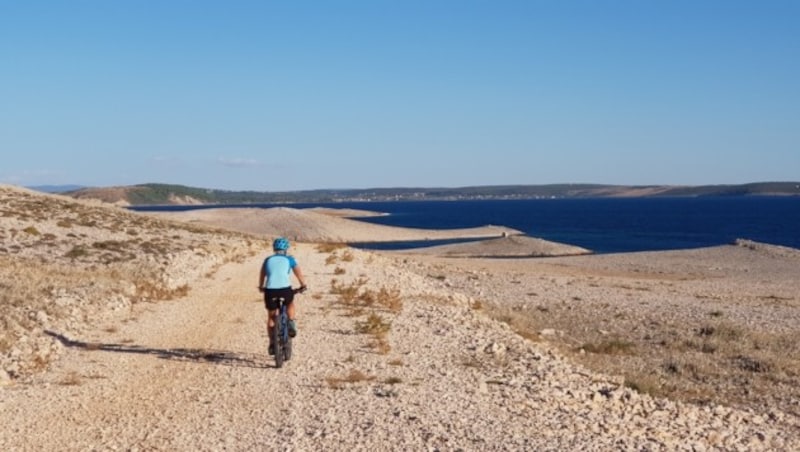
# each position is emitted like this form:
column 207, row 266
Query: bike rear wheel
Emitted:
column 287, row 349
column 278, row 344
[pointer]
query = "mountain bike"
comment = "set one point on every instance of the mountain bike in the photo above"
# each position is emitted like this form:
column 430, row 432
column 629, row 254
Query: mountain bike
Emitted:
column 280, row 334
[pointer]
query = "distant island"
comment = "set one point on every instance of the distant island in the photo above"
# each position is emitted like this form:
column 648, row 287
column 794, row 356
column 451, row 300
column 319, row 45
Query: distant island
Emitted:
column 167, row 194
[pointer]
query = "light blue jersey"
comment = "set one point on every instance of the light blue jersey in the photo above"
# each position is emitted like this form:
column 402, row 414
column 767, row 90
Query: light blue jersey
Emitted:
column 278, row 268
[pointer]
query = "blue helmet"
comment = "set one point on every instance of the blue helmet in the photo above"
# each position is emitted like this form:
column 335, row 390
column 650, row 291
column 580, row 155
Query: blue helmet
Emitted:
column 280, row 244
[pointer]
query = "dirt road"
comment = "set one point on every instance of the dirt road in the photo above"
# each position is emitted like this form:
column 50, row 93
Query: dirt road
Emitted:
column 191, row 374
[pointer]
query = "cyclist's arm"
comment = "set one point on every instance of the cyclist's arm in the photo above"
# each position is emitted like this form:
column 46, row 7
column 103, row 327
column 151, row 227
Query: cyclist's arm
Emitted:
column 299, row 274
column 261, row 275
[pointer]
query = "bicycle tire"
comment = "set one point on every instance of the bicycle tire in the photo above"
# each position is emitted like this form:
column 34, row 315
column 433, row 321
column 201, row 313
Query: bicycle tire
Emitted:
column 287, row 349
column 276, row 340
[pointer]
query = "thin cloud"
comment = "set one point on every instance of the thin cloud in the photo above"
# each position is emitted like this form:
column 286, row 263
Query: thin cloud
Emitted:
column 238, row 162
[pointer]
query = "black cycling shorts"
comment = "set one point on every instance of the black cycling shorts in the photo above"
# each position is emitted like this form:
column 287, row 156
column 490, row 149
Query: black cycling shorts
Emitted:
column 272, row 297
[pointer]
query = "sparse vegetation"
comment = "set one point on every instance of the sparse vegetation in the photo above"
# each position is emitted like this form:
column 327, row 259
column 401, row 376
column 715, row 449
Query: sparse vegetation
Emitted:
column 645, row 385
column 609, row 347
column 347, row 293
column 31, row 230
column 389, row 299
column 77, row 252
column 714, row 357
column 71, row 379
column 325, row 248
column 81, row 258
column 359, row 300
column 374, row 325
column 354, row 377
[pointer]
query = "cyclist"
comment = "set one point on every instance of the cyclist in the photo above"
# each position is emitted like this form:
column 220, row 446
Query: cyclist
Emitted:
column 274, row 280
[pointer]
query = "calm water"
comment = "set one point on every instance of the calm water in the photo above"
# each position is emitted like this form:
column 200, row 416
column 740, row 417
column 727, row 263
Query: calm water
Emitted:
column 606, row 225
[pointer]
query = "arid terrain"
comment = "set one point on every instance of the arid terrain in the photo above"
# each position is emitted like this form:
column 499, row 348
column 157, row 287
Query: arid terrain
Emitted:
column 132, row 331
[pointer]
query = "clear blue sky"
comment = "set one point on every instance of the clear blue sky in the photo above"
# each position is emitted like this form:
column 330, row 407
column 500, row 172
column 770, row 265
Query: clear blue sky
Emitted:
column 288, row 95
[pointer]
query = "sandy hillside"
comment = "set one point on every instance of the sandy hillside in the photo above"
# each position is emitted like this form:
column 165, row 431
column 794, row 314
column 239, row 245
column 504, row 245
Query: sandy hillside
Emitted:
column 395, row 352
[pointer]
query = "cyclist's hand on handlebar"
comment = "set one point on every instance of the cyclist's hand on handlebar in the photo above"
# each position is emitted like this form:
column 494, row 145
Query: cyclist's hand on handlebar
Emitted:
column 302, row 288
column 260, row 289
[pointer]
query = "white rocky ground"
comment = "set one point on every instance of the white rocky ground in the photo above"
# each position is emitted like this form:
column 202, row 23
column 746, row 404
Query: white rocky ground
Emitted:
column 193, row 374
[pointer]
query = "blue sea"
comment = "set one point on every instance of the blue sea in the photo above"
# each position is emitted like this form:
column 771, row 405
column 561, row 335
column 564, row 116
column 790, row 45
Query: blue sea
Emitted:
column 603, row 225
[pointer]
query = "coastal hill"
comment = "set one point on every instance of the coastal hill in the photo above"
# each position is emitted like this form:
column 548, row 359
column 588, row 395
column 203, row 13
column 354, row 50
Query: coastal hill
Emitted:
column 167, row 194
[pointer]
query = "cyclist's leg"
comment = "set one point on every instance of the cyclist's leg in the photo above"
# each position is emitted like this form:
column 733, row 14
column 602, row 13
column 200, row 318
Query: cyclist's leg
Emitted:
column 272, row 318
column 272, row 304
column 290, row 312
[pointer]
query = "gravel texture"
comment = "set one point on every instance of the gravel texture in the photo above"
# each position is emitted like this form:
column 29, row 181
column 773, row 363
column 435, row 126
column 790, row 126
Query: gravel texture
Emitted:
column 192, row 373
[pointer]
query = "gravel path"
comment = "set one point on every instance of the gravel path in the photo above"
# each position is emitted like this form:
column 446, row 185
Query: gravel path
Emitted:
column 192, row 374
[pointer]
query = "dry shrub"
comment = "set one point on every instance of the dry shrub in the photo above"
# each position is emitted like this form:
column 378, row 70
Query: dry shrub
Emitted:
column 5, row 342
column 722, row 331
column 355, row 376
column 472, row 362
column 646, row 385
column 347, row 293
column 609, row 347
column 77, row 252
column 330, row 260
column 389, row 299
column 31, row 230
column 750, row 364
column 374, row 325
column 71, row 379
column 347, row 256
column 524, row 325
column 324, row 248
column 339, row 271
column 147, row 290
column 381, row 345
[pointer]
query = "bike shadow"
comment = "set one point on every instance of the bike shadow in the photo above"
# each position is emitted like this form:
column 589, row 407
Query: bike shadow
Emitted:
column 198, row 355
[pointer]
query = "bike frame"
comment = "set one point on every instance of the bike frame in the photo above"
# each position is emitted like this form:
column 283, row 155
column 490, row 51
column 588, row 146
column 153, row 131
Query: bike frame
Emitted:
column 281, row 339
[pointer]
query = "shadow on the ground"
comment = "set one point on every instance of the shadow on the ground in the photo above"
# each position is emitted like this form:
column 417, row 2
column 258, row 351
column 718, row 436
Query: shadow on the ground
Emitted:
column 198, row 355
